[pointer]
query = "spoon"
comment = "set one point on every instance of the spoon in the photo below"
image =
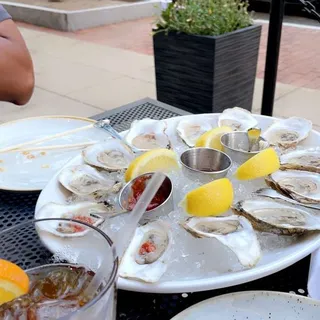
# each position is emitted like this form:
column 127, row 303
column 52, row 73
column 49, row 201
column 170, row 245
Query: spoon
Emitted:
column 270, row 193
column 105, row 125
column 253, row 136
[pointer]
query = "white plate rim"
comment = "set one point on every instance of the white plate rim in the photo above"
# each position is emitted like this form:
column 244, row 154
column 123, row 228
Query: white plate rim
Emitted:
column 267, row 293
column 204, row 284
column 35, row 118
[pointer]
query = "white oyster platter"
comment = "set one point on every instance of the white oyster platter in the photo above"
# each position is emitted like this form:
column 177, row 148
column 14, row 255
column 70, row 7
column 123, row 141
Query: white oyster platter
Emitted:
column 260, row 236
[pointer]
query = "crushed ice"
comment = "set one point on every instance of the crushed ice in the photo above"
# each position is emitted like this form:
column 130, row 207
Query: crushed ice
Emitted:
column 199, row 257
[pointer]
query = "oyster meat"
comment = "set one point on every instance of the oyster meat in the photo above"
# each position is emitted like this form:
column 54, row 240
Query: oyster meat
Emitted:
column 148, row 254
column 276, row 217
column 84, row 180
column 148, row 134
column 301, row 186
column 88, row 212
column 287, row 133
column 112, row 155
column 238, row 119
column 306, row 160
column 189, row 130
column 234, row 232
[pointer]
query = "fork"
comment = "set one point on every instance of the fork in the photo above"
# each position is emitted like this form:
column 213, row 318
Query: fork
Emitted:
column 105, row 125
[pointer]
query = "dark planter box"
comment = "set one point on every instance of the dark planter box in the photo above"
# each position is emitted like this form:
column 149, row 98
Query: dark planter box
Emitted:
column 207, row 74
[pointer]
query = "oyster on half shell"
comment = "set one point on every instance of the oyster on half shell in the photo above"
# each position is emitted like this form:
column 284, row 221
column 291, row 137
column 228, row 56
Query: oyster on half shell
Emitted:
column 276, row 217
column 84, row 180
column 148, row 254
column 237, row 118
column 147, row 134
column 287, row 133
column 301, row 186
column 234, row 232
column 191, row 129
column 112, row 155
column 88, row 212
column 306, row 160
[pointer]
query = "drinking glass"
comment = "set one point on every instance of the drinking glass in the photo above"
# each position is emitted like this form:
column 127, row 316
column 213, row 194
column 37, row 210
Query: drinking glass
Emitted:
column 34, row 246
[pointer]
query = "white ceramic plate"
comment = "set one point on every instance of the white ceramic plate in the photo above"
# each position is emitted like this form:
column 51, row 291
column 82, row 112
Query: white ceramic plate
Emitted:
column 17, row 171
column 253, row 305
column 219, row 267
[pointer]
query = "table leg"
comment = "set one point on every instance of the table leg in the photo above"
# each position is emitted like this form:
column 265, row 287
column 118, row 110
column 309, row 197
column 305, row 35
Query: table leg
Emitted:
column 273, row 49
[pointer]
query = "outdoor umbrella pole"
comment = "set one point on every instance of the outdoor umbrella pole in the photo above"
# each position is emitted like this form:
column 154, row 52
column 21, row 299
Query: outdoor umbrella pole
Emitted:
column 273, row 48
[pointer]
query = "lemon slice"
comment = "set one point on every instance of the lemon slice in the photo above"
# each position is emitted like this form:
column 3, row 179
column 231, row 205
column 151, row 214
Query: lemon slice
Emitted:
column 14, row 282
column 211, row 139
column 260, row 165
column 211, row 199
column 154, row 160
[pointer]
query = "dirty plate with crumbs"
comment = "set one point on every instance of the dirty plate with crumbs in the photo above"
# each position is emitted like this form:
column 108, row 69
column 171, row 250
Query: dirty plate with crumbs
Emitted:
column 31, row 170
column 254, row 305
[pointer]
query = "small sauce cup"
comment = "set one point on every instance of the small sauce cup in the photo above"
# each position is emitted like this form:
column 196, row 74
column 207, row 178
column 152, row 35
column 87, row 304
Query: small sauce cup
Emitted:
column 236, row 145
column 205, row 164
column 161, row 204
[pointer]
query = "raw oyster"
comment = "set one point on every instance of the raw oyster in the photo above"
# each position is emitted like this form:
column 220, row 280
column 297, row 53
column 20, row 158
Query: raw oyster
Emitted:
column 237, row 118
column 301, row 186
column 148, row 134
column 84, row 180
column 148, row 254
column 276, row 217
column 307, row 160
column 233, row 231
column 190, row 130
column 112, row 155
column 287, row 133
column 88, row 212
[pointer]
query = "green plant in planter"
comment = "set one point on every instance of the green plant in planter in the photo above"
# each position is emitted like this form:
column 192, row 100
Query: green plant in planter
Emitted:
column 204, row 17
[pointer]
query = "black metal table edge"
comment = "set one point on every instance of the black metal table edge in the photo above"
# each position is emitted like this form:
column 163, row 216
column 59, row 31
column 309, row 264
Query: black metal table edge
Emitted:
column 156, row 103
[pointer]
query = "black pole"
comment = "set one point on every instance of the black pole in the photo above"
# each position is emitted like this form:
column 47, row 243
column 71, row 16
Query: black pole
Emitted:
column 273, row 49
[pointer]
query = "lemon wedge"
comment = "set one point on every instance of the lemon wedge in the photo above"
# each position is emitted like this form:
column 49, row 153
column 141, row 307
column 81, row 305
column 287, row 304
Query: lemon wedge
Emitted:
column 14, row 282
column 211, row 139
column 264, row 163
column 211, row 199
column 151, row 161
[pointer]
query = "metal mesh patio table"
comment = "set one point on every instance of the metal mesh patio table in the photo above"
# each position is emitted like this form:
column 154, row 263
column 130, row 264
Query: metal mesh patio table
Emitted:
column 18, row 207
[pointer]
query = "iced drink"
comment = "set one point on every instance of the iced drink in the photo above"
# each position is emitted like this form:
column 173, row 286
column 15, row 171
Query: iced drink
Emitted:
column 56, row 290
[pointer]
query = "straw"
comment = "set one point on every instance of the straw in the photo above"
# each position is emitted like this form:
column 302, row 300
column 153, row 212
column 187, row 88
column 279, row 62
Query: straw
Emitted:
column 51, row 137
column 54, row 147
column 127, row 233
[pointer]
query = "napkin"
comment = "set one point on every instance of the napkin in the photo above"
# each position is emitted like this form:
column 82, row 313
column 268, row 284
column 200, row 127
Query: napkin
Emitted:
column 314, row 276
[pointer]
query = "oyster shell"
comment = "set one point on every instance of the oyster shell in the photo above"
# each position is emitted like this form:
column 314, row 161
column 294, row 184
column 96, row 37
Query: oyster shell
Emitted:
column 275, row 217
column 287, row 133
column 88, row 212
column 84, row 180
column 189, row 130
column 233, row 231
column 148, row 134
column 237, row 118
column 148, row 254
column 301, row 186
column 112, row 155
column 306, row 160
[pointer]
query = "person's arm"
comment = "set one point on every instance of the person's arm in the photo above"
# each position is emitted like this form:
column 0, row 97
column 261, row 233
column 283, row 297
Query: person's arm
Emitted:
column 16, row 68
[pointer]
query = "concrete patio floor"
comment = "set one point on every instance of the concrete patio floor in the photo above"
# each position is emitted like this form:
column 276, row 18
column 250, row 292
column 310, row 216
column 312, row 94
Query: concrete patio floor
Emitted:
column 75, row 76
